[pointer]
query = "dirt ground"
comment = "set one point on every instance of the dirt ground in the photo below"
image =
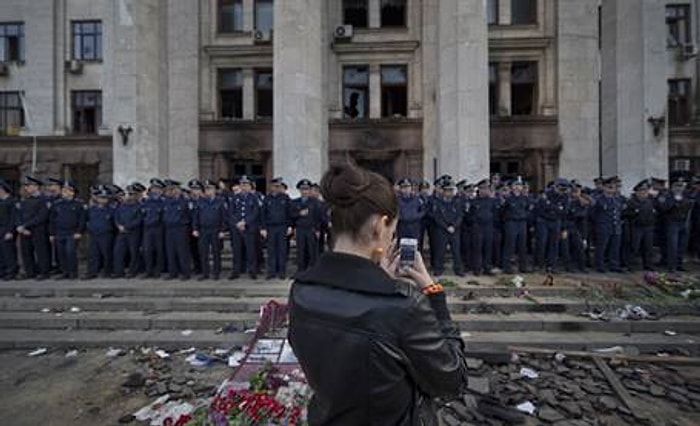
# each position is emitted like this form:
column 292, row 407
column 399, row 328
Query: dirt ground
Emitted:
column 86, row 390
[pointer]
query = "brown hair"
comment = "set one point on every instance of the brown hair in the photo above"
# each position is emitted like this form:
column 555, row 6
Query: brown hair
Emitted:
column 354, row 195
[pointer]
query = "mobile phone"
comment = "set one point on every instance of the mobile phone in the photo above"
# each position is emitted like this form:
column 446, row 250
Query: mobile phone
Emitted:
column 407, row 251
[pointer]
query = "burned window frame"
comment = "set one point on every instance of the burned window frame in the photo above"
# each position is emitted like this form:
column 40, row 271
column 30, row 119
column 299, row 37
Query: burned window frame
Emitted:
column 80, row 105
column 225, row 89
column 388, row 87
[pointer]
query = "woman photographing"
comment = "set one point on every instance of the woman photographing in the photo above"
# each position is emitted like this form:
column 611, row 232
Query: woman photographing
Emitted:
column 375, row 341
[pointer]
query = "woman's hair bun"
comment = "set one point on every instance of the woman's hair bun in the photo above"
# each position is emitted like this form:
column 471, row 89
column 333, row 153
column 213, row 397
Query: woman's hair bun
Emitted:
column 345, row 185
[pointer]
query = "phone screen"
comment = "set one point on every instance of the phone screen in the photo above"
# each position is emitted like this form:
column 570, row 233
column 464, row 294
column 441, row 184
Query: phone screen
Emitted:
column 407, row 251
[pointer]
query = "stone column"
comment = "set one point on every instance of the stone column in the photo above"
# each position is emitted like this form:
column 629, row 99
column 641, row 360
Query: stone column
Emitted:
column 504, row 13
column 463, row 115
column 248, row 15
column 579, row 74
column 504, row 90
column 634, row 89
column 375, row 91
column 248, row 94
column 300, row 123
column 375, row 13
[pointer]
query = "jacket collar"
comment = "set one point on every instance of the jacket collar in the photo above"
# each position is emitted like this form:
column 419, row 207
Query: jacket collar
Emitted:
column 349, row 272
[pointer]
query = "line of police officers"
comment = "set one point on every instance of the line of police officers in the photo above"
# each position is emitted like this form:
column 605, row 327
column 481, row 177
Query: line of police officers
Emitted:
column 492, row 225
column 162, row 229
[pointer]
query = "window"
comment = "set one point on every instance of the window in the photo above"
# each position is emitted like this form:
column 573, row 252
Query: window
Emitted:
column 264, row 15
column 356, row 92
column 523, row 86
column 393, row 13
column 11, row 113
column 678, row 24
column 679, row 102
column 87, row 40
column 493, row 89
column 12, row 42
column 230, row 94
column 492, row 12
column 263, row 93
column 230, row 16
column 87, row 111
column 523, row 12
column 394, row 91
column 355, row 13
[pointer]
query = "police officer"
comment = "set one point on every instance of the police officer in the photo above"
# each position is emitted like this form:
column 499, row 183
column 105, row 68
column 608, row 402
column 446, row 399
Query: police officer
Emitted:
column 100, row 227
column 483, row 209
column 177, row 217
column 607, row 214
column 447, row 216
column 410, row 211
column 32, row 228
column 425, row 195
column 467, row 193
column 515, row 211
column 128, row 219
column 244, row 226
column 640, row 212
column 551, row 211
column 324, row 227
column 677, row 210
column 153, row 237
column 306, row 213
column 576, row 228
column 8, row 219
column 196, row 191
column 430, row 223
column 277, row 228
column 66, row 225
column 208, row 224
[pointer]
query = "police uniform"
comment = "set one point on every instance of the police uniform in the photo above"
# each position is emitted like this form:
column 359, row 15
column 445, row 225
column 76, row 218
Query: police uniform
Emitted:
column 677, row 211
column 306, row 214
column 576, row 231
column 153, row 237
column 194, row 191
column 277, row 223
column 425, row 197
column 33, row 230
column 515, row 212
column 466, row 230
column 410, row 213
column 128, row 218
column 209, row 218
column 177, row 216
column 608, row 229
column 551, row 211
column 447, row 213
column 245, row 209
column 641, row 215
column 100, row 227
column 483, row 211
column 66, row 224
column 8, row 220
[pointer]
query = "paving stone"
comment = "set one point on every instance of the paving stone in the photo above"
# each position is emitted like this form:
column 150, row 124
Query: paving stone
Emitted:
column 549, row 414
column 656, row 390
column 607, row 403
column 479, row 385
column 474, row 363
column 571, row 408
column 547, row 396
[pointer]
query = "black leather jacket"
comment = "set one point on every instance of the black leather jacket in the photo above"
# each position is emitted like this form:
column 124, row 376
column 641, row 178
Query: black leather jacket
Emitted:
column 374, row 349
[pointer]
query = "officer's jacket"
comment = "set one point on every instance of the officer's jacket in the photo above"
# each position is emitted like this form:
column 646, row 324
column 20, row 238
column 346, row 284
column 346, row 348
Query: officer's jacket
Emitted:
column 246, row 208
column 8, row 216
column 67, row 217
column 410, row 209
column 641, row 211
column 516, row 208
column 277, row 210
column 152, row 210
column 607, row 214
column 100, row 220
column 34, row 212
column 447, row 212
column 177, row 212
column 552, row 206
column 677, row 210
column 484, row 210
column 209, row 214
column 312, row 220
column 129, row 215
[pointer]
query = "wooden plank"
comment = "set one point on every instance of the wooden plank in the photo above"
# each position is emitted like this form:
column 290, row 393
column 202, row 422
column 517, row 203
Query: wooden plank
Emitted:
column 677, row 360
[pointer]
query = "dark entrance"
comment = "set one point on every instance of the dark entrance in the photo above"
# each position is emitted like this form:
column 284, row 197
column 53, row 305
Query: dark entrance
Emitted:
column 382, row 167
column 11, row 175
column 255, row 170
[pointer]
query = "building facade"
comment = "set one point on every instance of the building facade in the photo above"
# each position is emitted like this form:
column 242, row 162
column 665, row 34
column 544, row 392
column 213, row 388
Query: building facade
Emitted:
column 101, row 90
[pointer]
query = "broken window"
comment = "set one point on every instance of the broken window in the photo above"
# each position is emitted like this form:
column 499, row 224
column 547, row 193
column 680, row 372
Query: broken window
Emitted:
column 393, row 13
column 230, row 93
column 355, row 13
column 493, row 88
column 263, row 93
column 678, row 24
column 11, row 113
column 87, row 111
column 679, row 102
column 394, row 91
column 356, row 92
column 230, row 16
column 12, row 42
column 523, row 84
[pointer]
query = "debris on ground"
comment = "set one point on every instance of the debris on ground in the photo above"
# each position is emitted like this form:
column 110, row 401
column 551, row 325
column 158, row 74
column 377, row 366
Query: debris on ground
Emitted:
column 38, row 352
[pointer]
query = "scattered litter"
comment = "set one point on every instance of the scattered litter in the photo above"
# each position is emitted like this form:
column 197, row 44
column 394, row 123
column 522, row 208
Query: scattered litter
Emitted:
column 74, row 309
column 611, row 350
column 114, row 352
column 249, row 331
column 514, row 358
column 228, row 328
column 529, row 373
column 46, row 310
column 202, row 360
column 670, row 333
column 186, row 332
column 38, row 352
column 518, row 281
column 187, row 351
column 628, row 313
column 466, row 334
column 71, row 354
column 235, row 359
column 221, row 352
column 663, row 354
column 526, row 407
column 162, row 354
column 147, row 412
column 559, row 357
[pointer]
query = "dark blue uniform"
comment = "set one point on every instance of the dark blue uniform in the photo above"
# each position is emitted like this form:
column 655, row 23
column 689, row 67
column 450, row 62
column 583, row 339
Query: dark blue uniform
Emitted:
column 677, row 211
column 245, row 207
column 551, row 211
column 177, row 216
column 607, row 214
column 66, row 220
column 100, row 227
column 8, row 252
column 576, row 227
column 466, row 231
column 515, row 212
column 152, row 242
column 36, row 248
column 208, row 220
column 641, row 214
column 306, row 213
column 483, row 212
column 447, row 213
column 410, row 216
column 128, row 218
column 276, row 219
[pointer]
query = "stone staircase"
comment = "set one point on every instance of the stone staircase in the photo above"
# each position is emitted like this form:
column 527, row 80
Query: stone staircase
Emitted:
column 178, row 315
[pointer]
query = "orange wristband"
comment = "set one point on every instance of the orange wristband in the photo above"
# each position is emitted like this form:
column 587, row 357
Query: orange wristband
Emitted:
column 433, row 289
